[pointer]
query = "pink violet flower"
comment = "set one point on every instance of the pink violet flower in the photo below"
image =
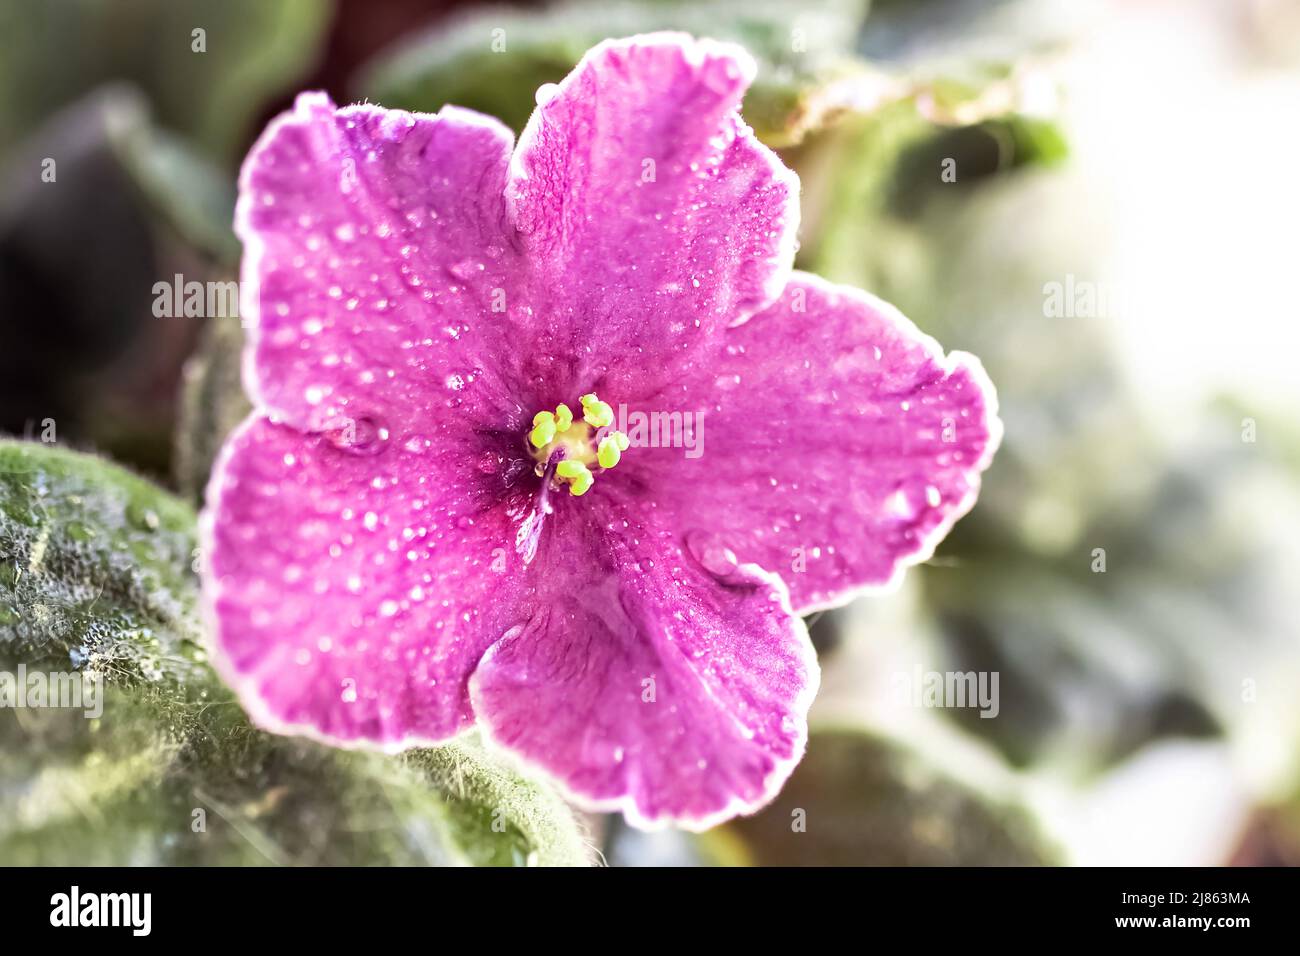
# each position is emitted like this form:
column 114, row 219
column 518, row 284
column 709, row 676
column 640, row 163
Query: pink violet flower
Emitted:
column 409, row 536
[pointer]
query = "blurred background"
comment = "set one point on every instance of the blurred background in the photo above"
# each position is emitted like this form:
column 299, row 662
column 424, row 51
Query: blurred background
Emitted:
column 1099, row 199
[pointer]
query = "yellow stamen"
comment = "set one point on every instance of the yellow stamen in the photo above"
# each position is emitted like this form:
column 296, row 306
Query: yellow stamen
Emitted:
column 611, row 449
column 595, row 412
column 543, row 432
column 579, row 475
column 557, row 435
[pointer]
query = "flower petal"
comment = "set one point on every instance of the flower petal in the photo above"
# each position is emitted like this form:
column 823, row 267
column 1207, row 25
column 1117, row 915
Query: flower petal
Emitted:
column 376, row 251
column 652, row 216
column 669, row 682
column 349, row 595
column 839, row 444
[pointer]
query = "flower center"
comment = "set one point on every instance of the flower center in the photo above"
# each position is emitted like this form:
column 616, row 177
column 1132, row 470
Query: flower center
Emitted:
column 576, row 446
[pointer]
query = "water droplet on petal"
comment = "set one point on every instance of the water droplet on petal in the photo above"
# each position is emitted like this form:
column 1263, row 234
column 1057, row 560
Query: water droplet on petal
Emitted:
column 362, row 436
column 715, row 557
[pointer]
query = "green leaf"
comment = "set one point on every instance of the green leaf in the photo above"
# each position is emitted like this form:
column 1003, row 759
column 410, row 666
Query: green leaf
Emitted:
column 458, row 63
column 871, row 179
column 95, row 563
column 191, row 193
column 860, row 799
column 96, row 579
column 848, row 173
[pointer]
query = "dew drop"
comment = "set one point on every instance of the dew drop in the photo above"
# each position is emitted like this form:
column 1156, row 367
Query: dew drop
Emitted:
column 465, row 269
column 715, row 557
column 363, row 436
column 146, row 519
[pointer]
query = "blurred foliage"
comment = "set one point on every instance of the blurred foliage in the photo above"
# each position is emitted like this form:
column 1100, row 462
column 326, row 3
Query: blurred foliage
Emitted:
column 101, row 365
column 494, row 58
column 253, row 50
column 89, row 283
column 1272, row 836
column 1190, row 612
column 142, row 130
column 212, row 404
column 859, row 799
column 95, row 578
column 184, row 189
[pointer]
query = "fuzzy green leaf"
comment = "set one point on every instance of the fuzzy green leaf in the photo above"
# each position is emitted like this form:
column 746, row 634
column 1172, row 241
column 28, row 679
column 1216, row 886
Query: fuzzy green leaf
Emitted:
column 96, row 579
